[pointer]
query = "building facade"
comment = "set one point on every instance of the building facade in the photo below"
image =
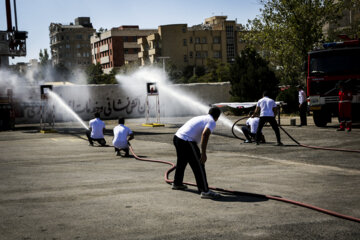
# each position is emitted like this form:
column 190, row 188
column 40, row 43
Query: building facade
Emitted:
column 216, row 38
column 118, row 46
column 70, row 44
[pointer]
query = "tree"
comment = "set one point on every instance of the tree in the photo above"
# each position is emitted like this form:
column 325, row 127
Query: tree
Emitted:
column 250, row 76
column 94, row 73
column 351, row 18
column 288, row 29
column 44, row 57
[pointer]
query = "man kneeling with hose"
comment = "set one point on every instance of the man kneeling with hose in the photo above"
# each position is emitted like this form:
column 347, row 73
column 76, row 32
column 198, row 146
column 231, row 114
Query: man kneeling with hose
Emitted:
column 196, row 130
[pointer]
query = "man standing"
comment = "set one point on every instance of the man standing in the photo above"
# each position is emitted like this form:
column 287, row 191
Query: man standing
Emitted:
column 345, row 99
column 268, row 109
column 196, row 130
column 96, row 131
column 302, row 106
column 122, row 136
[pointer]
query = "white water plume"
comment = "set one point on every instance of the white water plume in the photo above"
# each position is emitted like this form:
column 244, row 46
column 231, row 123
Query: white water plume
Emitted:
column 66, row 107
column 173, row 100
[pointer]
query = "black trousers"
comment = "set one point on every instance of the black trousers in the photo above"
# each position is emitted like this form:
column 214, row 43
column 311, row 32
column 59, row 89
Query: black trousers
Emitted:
column 189, row 152
column 247, row 133
column 91, row 140
column 273, row 124
column 126, row 150
column 303, row 111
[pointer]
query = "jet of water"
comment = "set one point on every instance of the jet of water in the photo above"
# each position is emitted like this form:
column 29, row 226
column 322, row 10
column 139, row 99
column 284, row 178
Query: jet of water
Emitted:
column 136, row 82
column 66, row 107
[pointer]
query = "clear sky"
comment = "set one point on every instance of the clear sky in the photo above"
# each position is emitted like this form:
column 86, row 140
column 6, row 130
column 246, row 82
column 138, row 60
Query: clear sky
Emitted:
column 35, row 16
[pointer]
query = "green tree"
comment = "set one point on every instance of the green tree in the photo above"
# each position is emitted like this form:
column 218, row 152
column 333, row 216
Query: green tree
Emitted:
column 44, row 57
column 286, row 30
column 351, row 9
column 94, row 73
column 250, row 76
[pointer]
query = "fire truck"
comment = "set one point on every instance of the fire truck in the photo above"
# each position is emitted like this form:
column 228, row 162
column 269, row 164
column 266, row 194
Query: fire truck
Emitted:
column 335, row 62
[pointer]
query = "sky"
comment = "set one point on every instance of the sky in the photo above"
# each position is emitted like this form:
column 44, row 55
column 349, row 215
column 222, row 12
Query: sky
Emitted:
column 35, row 16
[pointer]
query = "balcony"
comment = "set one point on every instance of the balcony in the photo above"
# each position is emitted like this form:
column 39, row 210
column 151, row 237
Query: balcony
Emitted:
column 131, row 45
column 104, row 60
column 104, row 48
column 131, row 57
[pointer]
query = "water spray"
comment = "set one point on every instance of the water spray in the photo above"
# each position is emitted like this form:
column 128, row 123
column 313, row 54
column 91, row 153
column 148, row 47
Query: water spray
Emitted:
column 66, row 107
column 145, row 75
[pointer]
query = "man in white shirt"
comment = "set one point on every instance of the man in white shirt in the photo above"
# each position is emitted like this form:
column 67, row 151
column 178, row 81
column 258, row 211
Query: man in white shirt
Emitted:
column 122, row 136
column 268, row 109
column 196, row 130
column 96, row 131
column 302, row 106
column 251, row 127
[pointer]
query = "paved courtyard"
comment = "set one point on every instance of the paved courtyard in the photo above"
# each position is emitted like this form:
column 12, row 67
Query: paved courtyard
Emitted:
column 54, row 186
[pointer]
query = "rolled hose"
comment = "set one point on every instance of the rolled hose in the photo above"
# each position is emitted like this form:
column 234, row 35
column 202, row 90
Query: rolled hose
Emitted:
column 167, row 180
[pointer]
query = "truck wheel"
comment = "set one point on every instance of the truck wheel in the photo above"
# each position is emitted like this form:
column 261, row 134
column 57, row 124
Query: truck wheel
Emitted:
column 320, row 118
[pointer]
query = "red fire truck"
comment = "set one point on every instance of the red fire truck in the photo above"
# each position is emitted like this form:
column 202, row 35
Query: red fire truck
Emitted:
column 338, row 61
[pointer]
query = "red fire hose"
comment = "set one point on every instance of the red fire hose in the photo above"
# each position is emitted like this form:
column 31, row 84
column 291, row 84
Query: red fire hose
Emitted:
column 167, row 180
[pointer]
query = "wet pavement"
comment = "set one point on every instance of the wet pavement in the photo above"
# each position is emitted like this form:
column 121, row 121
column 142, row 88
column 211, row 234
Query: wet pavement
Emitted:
column 55, row 186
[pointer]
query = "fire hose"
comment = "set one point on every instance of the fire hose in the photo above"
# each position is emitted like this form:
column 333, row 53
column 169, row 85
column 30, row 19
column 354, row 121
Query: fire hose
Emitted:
column 298, row 143
column 238, row 193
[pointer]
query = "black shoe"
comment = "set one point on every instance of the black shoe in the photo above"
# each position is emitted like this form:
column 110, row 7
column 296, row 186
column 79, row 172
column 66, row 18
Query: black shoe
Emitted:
column 257, row 143
column 279, row 144
column 247, row 141
column 180, row 187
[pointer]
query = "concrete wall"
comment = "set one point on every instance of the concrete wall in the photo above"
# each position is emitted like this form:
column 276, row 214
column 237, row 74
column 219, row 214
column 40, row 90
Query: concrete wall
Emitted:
column 113, row 101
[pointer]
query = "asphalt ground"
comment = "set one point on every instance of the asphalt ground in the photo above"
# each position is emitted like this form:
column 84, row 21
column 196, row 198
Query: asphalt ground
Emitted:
column 55, row 186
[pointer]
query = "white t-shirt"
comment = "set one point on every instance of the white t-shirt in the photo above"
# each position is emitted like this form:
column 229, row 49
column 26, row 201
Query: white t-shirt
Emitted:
column 192, row 129
column 266, row 106
column 97, row 127
column 120, row 136
column 302, row 96
column 253, row 123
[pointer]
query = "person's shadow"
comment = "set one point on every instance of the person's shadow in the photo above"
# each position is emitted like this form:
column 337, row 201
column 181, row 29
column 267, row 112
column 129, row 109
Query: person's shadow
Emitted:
column 233, row 197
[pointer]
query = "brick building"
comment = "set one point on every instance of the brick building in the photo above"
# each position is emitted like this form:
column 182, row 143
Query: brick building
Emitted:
column 118, row 46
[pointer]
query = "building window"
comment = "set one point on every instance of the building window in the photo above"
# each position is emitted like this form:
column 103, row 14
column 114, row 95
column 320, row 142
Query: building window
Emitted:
column 191, row 54
column 203, row 40
column 198, row 54
column 184, row 29
column 79, row 36
column 184, row 42
column 197, row 40
column 216, row 39
column 78, row 45
column 190, row 40
column 185, row 58
column 217, row 54
column 67, row 46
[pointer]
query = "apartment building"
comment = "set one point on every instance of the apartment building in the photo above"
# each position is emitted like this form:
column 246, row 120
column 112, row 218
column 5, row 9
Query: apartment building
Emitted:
column 118, row 46
column 216, row 38
column 347, row 25
column 70, row 44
